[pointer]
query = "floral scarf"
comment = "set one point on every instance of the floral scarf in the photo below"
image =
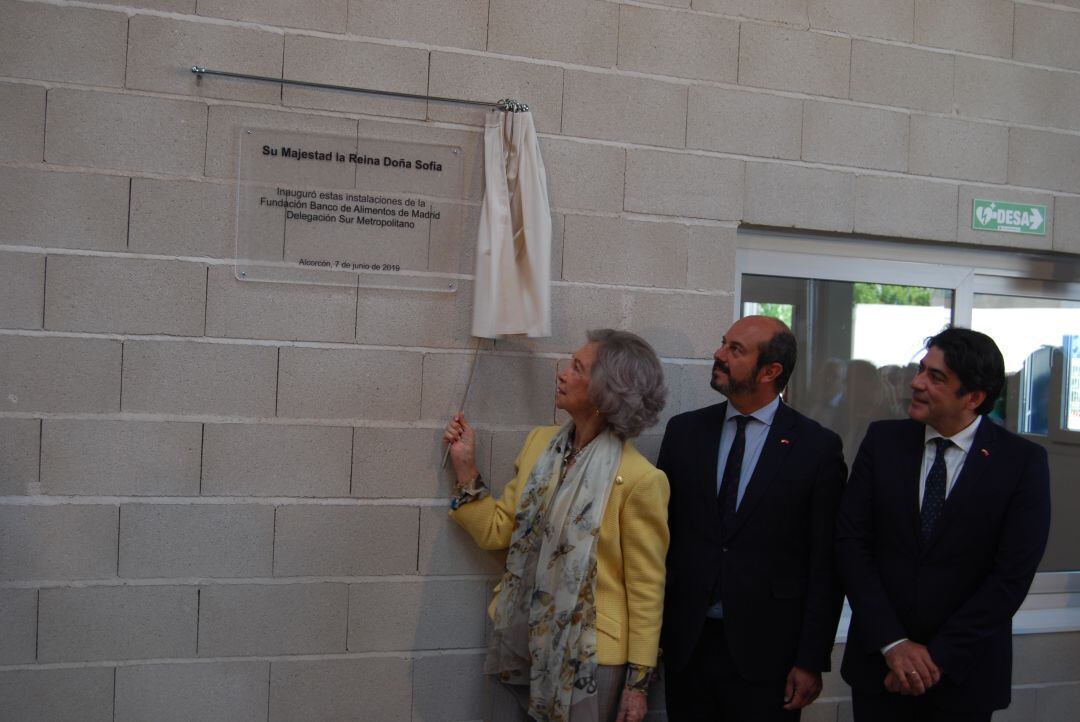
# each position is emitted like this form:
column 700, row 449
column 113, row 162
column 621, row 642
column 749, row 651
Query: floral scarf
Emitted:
column 545, row 609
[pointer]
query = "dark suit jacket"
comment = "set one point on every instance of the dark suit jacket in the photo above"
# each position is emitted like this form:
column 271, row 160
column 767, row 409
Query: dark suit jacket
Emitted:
column 779, row 585
column 957, row 593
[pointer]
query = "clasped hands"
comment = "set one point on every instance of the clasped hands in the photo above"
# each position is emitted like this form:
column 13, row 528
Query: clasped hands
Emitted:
column 911, row 669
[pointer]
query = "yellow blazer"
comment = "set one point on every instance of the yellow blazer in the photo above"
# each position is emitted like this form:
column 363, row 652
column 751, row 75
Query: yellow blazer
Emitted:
column 630, row 552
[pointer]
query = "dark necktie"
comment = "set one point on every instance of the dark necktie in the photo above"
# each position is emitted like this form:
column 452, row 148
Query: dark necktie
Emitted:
column 729, row 483
column 934, row 492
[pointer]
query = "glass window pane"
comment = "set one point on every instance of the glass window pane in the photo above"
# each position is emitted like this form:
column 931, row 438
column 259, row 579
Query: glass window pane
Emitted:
column 859, row 345
column 1030, row 332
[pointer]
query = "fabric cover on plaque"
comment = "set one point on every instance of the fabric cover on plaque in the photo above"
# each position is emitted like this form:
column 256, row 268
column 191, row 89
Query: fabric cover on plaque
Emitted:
column 512, row 293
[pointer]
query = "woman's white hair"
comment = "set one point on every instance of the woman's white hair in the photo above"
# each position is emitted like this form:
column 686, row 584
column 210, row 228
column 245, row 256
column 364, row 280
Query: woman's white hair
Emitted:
column 626, row 384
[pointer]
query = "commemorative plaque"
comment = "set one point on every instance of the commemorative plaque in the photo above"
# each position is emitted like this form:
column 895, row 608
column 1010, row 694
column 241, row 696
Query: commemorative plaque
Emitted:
column 346, row 210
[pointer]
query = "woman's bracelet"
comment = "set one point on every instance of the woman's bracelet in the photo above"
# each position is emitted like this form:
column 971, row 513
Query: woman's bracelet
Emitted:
column 464, row 494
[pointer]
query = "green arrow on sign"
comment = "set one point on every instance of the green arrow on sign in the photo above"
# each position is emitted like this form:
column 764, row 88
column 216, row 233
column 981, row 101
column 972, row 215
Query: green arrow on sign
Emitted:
column 1008, row 217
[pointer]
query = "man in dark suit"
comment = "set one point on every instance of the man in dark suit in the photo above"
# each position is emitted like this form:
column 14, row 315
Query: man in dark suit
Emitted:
column 941, row 528
column 752, row 598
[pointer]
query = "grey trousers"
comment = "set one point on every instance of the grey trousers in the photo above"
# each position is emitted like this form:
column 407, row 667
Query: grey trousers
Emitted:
column 510, row 702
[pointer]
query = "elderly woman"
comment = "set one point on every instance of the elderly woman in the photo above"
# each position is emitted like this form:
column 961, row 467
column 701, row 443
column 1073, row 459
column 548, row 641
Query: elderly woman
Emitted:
column 577, row 613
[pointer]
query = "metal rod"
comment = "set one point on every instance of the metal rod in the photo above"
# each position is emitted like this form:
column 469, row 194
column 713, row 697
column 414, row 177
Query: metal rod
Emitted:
column 465, row 396
column 505, row 104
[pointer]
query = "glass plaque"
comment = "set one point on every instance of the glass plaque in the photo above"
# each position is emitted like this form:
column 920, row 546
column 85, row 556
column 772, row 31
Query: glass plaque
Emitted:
column 347, row 211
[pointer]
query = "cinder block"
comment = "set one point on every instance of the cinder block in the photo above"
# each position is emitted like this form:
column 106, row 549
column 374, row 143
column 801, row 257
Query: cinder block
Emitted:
column 394, row 318
column 1024, row 94
column 22, row 290
column 574, row 310
column 781, row 11
column 22, row 123
column 58, row 695
column 349, row 384
column 1043, row 658
column 978, row 26
column 285, row 311
column 711, row 258
column 19, row 447
column 965, row 234
column 176, row 6
column 208, row 692
column 584, row 32
column 951, row 148
column 1046, row 36
column 272, row 619
column 456, row 75
column 505, row 447
column 510, row 389
column 274, row 460
column 451, row 23
column 898, row 75
column 406, row 463
column 449, row 687
column 59, row 374
column 18, row 633
column 628, row 109
column 855, row 136
column 737, row 121
column 429, row 614
column 58, row 542
column 129, row 132
column 162, row 50
column 349, row 690
column 87, row 293
column 905, row 207
column 196, row 540
column 618, row 251
column 112, row 623
column 199, row 378
column 1056, row 703
column 833, row 685
column 341, row 62
column 820, row 711
column 785, row 59
column 84, row 211
column 1044, row 160
column 225, row 123
column 1067, row 224
column 122, row 458
column 1022, row 708
column 67, row 44
column 329, row 15
column 182, row 218
column 690, row 388
column 681, row 325
column 344, row 540
column 585, row 176
column 679, row 184
column 665, row 42
column 783, row 195
column 891, row 19
column 446, row 548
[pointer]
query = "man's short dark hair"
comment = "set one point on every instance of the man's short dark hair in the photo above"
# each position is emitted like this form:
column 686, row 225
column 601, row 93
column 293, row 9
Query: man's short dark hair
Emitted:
column 782, row 349
column 975, row 359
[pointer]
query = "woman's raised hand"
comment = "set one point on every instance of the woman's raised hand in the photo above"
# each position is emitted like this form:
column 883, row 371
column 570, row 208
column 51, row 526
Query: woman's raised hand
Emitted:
column 461, row 438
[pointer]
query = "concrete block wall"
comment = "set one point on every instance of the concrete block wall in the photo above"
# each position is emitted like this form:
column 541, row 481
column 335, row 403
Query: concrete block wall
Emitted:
column 220, row 500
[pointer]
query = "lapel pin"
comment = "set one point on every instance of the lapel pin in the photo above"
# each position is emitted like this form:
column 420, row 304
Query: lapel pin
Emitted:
column 984, row 452
column 785, row 442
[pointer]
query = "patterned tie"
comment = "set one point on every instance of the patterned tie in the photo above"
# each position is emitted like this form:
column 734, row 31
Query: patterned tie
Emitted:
column 934, row 493
column 729, row 483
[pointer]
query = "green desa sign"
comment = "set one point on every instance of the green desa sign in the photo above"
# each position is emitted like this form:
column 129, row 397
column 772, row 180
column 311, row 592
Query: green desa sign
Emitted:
column 1008, row 217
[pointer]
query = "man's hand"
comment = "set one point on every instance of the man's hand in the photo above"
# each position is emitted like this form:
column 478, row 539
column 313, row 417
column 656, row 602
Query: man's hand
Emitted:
column 912, row 669
column 632, row 706
column 802, row 688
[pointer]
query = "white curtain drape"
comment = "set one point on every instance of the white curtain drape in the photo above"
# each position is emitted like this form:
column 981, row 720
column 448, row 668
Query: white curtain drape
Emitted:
column 512, row 293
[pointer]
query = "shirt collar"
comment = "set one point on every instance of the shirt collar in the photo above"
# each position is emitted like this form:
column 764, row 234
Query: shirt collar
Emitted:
column 963, row 439
column 765, row 414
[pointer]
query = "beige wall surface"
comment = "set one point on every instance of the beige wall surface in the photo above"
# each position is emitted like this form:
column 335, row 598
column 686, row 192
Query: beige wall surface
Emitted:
column 202, row 517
